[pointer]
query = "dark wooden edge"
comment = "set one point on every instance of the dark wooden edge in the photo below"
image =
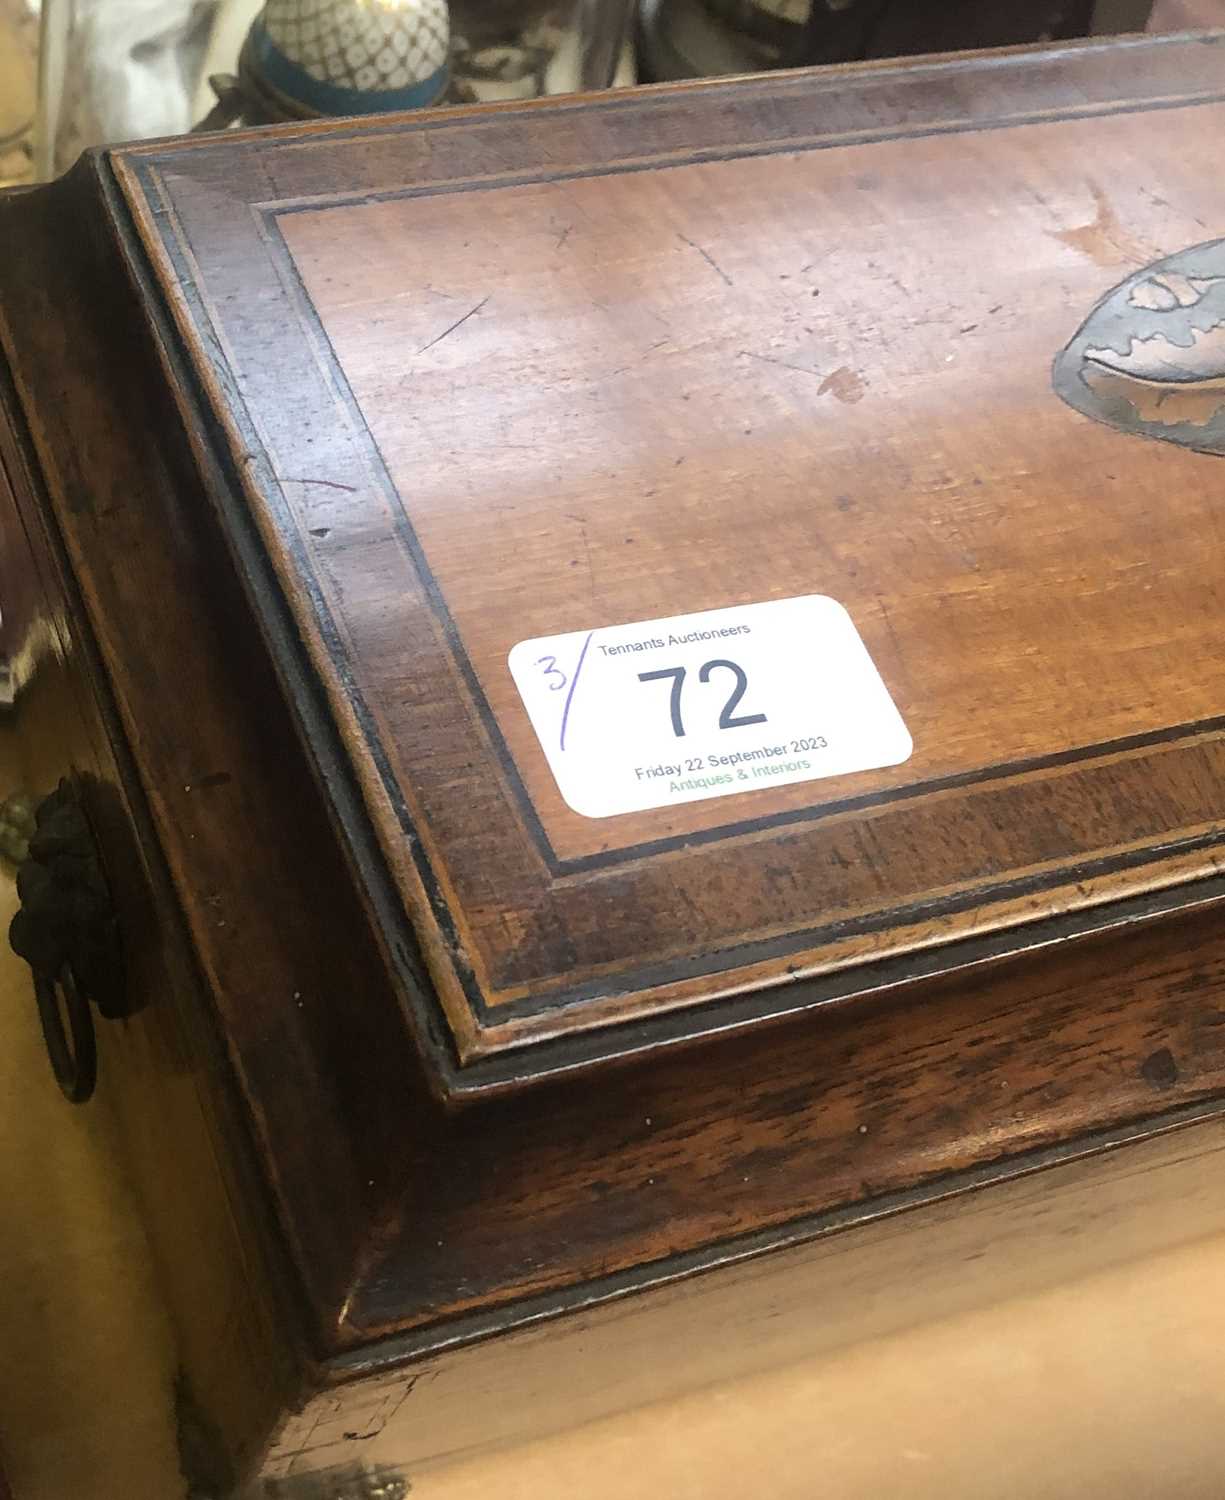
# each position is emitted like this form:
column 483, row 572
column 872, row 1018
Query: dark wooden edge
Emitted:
column 408, row 1348
column 307, row 1229
column 300, row 684
column 521, row 1062
column 152, row 919
column 945, row 1259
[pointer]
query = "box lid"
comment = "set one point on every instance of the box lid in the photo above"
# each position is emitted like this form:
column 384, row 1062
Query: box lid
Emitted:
column 520, row 412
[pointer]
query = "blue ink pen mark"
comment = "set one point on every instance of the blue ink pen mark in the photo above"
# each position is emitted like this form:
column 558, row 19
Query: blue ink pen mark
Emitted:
column 565, row 713
column 553, row 670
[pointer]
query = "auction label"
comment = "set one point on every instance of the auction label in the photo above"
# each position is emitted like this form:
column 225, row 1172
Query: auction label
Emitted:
column 734, row 700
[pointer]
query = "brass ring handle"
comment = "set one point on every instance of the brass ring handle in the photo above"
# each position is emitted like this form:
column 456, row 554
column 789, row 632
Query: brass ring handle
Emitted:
column 73, row 1054
column 66, row 931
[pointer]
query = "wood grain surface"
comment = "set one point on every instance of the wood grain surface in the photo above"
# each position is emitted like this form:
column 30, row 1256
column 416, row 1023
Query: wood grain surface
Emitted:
column 687, row 357
column 403, row 1222
column 767, row 1315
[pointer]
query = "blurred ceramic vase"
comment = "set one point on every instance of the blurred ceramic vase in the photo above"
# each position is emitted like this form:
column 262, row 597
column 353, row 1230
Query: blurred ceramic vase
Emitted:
column 344, row 57
column 115, row 70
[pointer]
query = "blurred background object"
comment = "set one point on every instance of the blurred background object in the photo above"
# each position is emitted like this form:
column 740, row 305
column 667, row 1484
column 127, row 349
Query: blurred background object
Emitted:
column 304, row 58
column 116, row 70
column 703, row 38
column 18, row 61
column 234, row 19
column 507, row 50
column 1186, row 15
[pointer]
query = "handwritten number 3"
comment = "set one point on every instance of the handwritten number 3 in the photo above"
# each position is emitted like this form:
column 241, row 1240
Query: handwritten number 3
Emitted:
column 553, row 671
column 728, row 719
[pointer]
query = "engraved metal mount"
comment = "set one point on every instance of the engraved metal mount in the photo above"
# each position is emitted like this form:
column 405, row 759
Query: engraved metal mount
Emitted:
column 1150, row 358
column 67, row 932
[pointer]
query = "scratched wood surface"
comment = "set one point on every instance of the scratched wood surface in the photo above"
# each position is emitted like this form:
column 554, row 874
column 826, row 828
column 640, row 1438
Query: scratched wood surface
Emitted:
column 622, row 365
column 403, row 1220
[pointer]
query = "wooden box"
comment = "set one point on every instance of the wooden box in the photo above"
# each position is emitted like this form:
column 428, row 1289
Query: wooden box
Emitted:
column 646, row 670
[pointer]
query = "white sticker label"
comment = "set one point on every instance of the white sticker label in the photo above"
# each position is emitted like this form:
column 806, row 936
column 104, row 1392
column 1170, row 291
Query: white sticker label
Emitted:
column 707, row 705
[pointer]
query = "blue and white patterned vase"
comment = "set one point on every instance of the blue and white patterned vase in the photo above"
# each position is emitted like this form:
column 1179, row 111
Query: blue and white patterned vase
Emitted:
column 345, row 57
